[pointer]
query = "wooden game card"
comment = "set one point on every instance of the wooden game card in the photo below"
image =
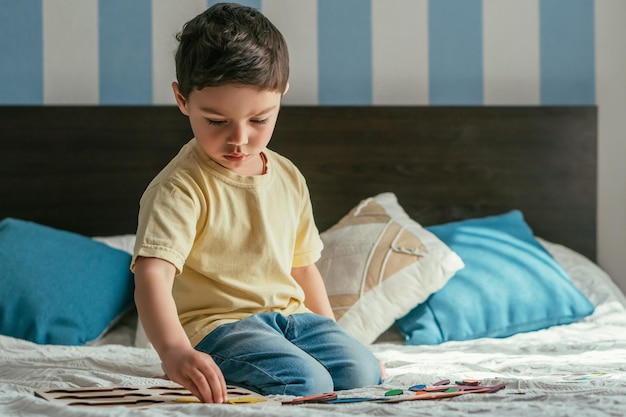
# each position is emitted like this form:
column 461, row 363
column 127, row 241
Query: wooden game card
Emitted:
column 143, row 396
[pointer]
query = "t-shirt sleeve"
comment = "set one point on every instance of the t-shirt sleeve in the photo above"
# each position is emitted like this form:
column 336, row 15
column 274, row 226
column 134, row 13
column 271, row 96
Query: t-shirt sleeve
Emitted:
column 167, row 224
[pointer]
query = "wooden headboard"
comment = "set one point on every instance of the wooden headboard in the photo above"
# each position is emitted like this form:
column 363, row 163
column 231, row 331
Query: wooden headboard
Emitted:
column 84, row 168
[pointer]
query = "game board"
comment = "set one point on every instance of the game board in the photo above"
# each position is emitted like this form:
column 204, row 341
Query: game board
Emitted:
column 143, row 396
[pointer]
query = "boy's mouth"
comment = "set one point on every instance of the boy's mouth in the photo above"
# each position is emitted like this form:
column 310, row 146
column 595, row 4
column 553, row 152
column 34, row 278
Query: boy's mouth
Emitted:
column 235, row 157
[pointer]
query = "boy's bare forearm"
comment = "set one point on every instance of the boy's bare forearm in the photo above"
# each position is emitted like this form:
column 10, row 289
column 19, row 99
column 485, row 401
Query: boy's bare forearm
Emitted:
column 316, row 298
column 156, row 307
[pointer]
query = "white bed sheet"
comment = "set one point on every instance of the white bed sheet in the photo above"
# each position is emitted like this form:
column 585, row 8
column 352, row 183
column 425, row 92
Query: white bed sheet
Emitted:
column 573, row 370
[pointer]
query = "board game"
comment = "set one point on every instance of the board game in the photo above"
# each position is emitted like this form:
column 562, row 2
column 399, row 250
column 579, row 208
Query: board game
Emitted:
column 143, row 396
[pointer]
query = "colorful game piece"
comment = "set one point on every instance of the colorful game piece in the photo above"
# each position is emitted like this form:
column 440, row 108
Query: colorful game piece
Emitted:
column 319, row 398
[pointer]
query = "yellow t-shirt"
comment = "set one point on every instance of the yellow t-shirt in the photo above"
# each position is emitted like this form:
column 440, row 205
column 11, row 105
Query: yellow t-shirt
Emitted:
column 233, row 239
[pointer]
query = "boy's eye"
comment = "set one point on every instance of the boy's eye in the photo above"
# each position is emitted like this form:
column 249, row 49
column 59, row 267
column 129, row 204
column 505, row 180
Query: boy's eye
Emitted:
column 223, row 122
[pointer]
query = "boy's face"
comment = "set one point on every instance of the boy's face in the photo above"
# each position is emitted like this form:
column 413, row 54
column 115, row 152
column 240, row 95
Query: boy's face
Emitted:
column 232, row 123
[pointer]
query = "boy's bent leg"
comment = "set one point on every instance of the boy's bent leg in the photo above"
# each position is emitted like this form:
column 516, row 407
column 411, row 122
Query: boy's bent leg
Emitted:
column 350, row 363
column 253, row 353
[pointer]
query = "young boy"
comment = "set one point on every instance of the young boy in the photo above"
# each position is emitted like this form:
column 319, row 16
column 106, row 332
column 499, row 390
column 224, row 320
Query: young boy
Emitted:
column 226, row 283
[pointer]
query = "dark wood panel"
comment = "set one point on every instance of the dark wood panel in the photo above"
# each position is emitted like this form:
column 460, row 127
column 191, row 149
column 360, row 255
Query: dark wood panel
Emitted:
column 84, row 168
column 452, row 163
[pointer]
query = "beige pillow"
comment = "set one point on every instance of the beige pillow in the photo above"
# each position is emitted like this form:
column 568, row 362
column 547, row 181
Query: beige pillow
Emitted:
column 378, row 264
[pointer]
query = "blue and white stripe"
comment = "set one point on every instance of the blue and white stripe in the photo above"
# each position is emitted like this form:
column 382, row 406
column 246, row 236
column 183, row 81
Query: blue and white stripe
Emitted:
column 455, row 52
column 21, row 52
column 70, row 62
column 125, row 52
column 511, row 52
column 400, row 52
column 567, row 51
column 437, row 52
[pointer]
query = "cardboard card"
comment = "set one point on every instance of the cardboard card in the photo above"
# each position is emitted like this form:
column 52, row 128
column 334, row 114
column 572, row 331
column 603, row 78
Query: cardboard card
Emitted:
column 143, row 396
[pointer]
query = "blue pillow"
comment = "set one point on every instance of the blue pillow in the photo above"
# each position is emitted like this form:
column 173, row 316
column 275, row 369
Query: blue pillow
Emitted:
column 510, row 284
column 58, row 287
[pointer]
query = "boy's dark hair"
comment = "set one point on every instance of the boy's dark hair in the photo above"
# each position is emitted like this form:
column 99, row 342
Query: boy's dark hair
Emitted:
column 231, row 44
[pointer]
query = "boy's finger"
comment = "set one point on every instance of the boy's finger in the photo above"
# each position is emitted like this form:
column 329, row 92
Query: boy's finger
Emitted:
column 215, row 380
column 191, row 386
column 203, row 388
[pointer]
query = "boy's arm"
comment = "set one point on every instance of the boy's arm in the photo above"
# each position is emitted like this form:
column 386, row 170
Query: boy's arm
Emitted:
column 192, row 369
column 316, row 298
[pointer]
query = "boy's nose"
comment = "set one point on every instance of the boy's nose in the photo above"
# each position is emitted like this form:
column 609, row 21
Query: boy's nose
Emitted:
column 238, row 135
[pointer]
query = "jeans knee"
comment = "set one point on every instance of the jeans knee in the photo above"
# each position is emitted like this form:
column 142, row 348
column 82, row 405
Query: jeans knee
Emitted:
column 309, row 382
column 357, row 375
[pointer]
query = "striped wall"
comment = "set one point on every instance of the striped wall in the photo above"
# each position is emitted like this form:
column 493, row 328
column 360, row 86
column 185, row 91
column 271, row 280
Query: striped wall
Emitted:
column 436, row 52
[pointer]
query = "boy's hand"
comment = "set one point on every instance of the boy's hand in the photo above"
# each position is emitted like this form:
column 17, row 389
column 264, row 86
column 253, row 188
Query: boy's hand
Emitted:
column 197, row 372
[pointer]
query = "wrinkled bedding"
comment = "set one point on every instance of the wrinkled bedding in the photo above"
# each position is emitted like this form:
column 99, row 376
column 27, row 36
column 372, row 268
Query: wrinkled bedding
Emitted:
column 577, row 369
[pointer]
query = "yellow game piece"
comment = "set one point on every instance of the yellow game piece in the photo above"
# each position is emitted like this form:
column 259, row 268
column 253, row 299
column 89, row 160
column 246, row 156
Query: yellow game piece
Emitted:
column 245, row 400
column 186, row 400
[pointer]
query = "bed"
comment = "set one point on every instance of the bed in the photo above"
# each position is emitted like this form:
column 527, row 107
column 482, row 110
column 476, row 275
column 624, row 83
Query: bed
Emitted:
column 491, row 275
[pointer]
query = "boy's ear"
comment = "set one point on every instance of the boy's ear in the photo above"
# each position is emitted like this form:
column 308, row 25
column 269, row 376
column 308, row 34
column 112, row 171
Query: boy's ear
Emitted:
column 286, row 89
column 180, row 99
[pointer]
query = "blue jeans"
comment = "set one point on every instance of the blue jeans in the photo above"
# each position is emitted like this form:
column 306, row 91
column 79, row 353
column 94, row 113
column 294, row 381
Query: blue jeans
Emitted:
column 302, row 354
